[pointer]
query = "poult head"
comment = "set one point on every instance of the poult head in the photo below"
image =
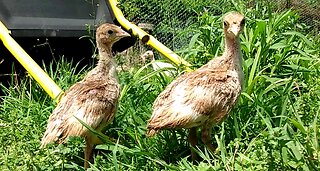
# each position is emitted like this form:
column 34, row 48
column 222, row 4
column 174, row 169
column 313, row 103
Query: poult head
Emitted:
column 107, row 34
column 148, row 55
column 233, row 23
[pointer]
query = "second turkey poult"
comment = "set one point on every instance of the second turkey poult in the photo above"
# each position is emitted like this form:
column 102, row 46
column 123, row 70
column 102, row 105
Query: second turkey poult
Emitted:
column 93, row 100
column 205, row 96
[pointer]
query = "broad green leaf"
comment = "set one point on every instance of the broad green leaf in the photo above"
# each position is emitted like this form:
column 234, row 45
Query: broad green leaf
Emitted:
column 300, row 35
column 193, row 40
column 293, row 164
column 279, row 18
column 297, row 68
column 298, row 125
column 305, row 167
column 295, row 149
column 247, row 96
column 276, row 84
column 248, row 62
column 278, row 46
column 284, row 153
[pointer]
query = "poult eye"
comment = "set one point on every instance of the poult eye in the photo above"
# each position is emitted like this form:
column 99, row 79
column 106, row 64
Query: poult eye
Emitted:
column 225, row 23
column 110, row 31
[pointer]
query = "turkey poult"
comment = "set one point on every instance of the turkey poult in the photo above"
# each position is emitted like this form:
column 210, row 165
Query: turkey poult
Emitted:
column 205, row 96
column 93, row 100
column 158, row 65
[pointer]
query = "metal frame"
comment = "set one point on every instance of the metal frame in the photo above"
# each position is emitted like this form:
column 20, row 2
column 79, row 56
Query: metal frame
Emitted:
column 146, row 38
column 51, row 88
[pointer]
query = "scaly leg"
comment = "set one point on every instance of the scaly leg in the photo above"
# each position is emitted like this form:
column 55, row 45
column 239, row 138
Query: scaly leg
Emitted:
column 206, row 137
column 88, row 157
column 193, row 142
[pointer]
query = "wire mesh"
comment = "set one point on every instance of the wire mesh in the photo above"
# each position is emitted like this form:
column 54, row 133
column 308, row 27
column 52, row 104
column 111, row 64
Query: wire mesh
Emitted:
column 166, row 19
column 172, row 18
column 171, row 22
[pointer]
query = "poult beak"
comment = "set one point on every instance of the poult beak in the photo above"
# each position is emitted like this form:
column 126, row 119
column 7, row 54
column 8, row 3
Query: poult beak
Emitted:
column 235, row 29
column 123, row 34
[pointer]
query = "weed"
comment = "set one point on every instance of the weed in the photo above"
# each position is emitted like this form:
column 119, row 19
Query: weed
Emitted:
column 275, row 126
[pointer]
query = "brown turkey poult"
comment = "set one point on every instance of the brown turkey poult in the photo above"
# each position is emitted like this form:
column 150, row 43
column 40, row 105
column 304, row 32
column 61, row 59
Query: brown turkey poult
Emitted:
column 93, row 100
column 205, row 96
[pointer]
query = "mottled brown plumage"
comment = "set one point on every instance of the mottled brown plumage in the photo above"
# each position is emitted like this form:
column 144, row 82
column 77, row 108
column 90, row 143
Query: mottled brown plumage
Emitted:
column 205, row 96
column 92, row 100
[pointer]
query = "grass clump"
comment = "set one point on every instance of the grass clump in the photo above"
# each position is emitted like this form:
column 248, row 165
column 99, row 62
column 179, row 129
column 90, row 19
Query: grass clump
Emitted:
column 275, row 126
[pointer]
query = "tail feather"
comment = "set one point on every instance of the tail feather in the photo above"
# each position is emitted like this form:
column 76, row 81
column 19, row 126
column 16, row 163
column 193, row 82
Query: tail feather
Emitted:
column 151, row 132
column 52, row 134
column 48, row 138
column 44, row 142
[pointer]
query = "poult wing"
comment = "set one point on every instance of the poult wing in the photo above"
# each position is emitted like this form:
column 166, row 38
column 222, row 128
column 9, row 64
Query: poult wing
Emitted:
column 187, row 101
column 93, row 102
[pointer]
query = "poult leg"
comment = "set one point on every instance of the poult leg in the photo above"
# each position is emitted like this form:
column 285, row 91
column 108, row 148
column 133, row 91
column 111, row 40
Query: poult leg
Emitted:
column 193, row 142
column 88, row 157
column 206, row 137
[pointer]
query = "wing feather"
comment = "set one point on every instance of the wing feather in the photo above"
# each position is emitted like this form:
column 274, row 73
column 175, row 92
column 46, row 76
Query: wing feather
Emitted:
column 94, row 102
column 188, row 100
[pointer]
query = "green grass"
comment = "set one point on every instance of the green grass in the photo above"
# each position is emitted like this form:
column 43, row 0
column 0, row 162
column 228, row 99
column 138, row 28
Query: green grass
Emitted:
column 275, row 126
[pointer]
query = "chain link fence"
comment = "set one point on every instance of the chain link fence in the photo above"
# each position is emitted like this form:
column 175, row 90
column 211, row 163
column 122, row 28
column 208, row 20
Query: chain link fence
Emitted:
column 171, row 21
column 168, row 21
column 309, row 11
